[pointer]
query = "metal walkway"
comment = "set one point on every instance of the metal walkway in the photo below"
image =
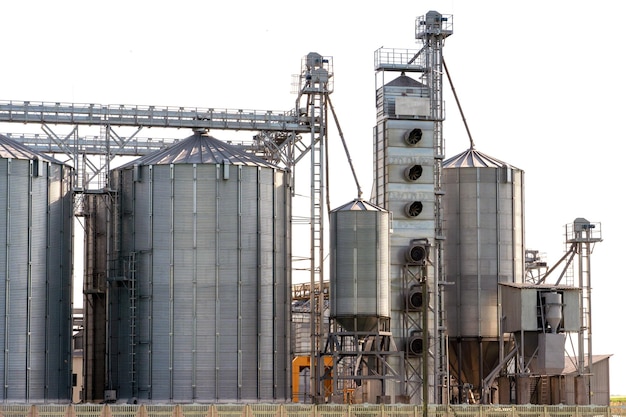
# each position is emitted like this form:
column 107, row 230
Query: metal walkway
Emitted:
column 151, row 116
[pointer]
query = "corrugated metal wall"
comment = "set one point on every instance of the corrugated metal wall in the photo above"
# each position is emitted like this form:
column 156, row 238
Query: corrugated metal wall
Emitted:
column 484, row 228
column 36, row 267
column 210, row 316
column 484, row 245
column 359, row 245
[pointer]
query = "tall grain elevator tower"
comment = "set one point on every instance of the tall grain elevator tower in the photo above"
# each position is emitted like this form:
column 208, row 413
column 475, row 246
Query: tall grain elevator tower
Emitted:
column 408, row 155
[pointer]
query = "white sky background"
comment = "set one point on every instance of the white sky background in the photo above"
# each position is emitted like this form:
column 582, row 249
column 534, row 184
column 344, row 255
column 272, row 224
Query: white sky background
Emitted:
column 541, row 84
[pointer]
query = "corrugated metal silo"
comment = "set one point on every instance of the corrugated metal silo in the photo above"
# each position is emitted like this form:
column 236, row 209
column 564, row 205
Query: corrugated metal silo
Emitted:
column 36, row 285
column 201, row 307
column 484, row 228
column 359, row 280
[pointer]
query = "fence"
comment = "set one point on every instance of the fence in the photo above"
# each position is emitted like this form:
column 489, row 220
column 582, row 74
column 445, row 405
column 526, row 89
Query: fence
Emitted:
column 305, row 410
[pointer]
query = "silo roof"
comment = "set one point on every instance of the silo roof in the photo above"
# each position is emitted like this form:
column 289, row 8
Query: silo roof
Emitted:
column 201, row 148
column 10, row 148
column 531, row 285
column 472, row 158
column 404, row 81
column 358, row 205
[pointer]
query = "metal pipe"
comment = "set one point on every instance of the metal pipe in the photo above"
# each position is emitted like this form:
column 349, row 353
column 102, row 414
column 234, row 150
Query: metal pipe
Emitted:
column 345, row 147
column 240, row 381
column 194, row 273
column 151, row 274
column 171, row 285
column 217, row 283
column 29, row 282
column 458, row 103
column 7, row 285
column 259, row 278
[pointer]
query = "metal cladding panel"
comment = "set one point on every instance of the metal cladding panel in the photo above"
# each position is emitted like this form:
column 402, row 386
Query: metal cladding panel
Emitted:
column 473, row 358
column 484, row 244
column 211, row 284
column 207, row 291
column 395, row 192
column 395, row 131
column 402, row 88
column 16, row 321
column 398, row 159
column 393, row 155
column 183, row 292
column 37, row 310
column 402, row 199
column 519, row 306
column 270, row 309
column 399, row 145
column 359, row 268
column 35, row 202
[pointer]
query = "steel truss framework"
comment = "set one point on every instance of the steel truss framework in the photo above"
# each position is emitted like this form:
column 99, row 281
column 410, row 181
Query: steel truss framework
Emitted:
column 426, row 371
column 279, row 139
column 581, row 236
column 278, row 135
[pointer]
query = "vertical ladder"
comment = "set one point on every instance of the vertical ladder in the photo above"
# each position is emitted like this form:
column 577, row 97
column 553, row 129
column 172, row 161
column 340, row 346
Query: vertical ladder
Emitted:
column 132, row 322
column 79, row 160
column 569, row 273
column 103, row 156
column 584, row 261
column 317, row 113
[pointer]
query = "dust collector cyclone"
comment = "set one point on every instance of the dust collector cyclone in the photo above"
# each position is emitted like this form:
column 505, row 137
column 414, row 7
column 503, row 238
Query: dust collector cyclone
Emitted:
column 553, row 310
column 359, row 275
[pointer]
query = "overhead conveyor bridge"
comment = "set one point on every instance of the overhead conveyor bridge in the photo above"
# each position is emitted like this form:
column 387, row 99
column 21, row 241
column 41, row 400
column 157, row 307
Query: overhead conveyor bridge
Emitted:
column 152, row 116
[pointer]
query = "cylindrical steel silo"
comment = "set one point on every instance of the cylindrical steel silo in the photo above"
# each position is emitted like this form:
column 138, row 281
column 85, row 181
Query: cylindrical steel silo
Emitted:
column 483, row 210
column 200, row 306
column 36, row 270
column 359, row 258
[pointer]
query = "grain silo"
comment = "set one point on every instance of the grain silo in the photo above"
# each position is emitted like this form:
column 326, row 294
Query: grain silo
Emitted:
column 36, row 288
column 359, row 283
column 200, row 306
column 484, row 246
column 360, row 333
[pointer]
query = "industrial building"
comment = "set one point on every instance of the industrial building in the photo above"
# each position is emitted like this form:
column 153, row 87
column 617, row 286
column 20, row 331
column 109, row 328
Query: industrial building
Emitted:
column 188, row 279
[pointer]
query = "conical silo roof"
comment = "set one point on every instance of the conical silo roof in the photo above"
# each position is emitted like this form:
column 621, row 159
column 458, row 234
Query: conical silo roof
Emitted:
column 472, row 158
column 358, row 205
column 404, row 81
column 200, row 148
column 10, row 148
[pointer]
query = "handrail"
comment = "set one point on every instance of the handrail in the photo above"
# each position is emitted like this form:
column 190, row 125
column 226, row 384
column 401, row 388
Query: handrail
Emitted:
column 151, row 116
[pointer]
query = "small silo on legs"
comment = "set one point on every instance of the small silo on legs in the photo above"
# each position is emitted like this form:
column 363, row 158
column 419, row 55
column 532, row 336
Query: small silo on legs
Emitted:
column 359, row 285
column 360, row 336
